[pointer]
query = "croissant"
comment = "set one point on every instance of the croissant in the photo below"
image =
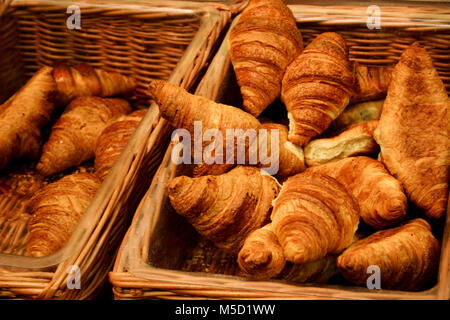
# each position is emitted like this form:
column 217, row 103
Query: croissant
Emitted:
column 56, row 210
column 414, row 131
column 371, row 82
column 357, row 113
column 261, row 256
column 74, row 136
column 290, row 157
column 181, row 109
column 407, row 257
column 262, row 44
column 83, row 80
column 317, row 86
column 113, row 140
column 313, row 216
column 225, row 208
column 23, row 116
column 380, row 196
column 356, row 140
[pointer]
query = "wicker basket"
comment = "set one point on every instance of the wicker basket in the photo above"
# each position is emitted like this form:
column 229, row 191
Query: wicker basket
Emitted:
column 142, row 39
column 162, row 257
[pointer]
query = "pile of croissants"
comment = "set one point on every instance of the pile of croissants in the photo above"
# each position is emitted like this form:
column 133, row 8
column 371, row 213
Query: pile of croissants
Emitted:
column 92, row 125
column 361, row 143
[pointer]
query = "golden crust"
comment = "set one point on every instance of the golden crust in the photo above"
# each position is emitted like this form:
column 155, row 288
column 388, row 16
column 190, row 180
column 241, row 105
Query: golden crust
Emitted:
column 371, row 82
column 262, row 44
column 357, row 140
column 23, row 116
column 357, row 113
column 317, row 87
column 261, row 256
column 113, row 140
column 56, row 210
column 380, row 196
column 414, row 131
column 225, row 208
column 407, row 256
column 74, row 136
column 313, row 216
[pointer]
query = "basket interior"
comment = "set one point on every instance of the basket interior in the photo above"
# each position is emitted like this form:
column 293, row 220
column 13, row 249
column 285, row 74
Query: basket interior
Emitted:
column 175, row 245
column 144, row 43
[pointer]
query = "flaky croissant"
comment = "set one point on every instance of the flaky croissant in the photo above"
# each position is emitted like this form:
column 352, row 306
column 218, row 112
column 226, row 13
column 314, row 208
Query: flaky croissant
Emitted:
column 113, row 140
column 317, row 86
column 380, row 196
column 371, row 82
column 357, row 113
column 56, row 210
column 262, row 44
column 290, row 157
column 74, row 136
column 181, row 109
column 356, row 140
column 414, row 131
column 313, row 216
column 83, row 80
column 261, row 256
column 225, row 208
column 407, row 257
column 23, row 116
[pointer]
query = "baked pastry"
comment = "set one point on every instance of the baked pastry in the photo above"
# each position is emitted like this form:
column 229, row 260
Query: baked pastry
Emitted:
column 407, row 257
column 83, row 80
column 24, row 115
column 261, row 256
column 317, row 86
column 313, row 216
column 380, row 196
column 289, row 157
column 371, row 82
column 113, row 140
column 357, row 113
column 356, row 140
column 182, row 110
column 74, row 136
column 56, row 211
column 414, row 131
column 225, row 208
column 262, row 44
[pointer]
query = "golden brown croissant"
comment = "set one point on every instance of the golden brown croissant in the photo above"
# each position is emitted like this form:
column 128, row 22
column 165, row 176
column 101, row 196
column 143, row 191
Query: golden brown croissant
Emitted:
column 356, row 140
column 225, row 208
column 113, row 140
column 380, row 196
column 262, row 44
column 313, row 216
column 319, row 271
column 83, row 80
column 290, row 157
column 414, row 131
column 407, row 257
column 371, row 82
column 56, row 210
column 261, row 256
column 23, row 116
column 74, row 136
column 317, row 87
column 357, row 113
column 181, row 109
